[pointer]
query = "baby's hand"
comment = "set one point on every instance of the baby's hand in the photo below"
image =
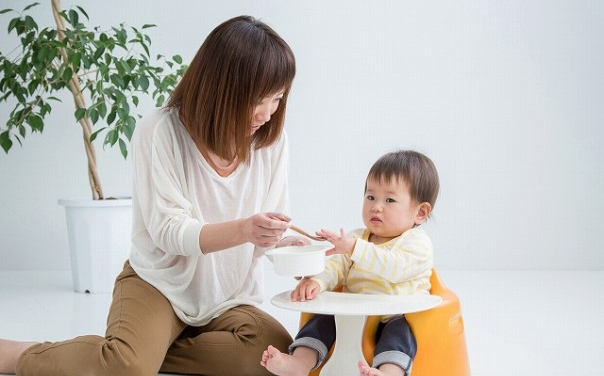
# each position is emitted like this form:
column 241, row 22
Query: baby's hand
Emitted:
column 341, row 242
column 307, row 289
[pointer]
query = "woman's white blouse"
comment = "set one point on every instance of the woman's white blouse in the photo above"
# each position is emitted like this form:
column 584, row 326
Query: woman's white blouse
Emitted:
column 175, row 193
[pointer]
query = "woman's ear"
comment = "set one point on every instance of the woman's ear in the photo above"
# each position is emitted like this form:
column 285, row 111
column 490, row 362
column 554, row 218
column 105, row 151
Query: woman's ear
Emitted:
column 423, row 212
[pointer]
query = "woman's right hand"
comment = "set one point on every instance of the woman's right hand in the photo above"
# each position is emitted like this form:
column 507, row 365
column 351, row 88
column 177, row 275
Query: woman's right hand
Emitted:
column 265, row 229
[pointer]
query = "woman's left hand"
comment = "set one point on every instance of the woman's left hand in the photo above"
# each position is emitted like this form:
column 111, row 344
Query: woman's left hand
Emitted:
column 293, row 241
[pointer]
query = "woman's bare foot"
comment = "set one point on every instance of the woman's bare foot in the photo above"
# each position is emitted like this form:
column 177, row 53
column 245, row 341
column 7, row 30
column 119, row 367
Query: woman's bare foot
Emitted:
column 10, row 351
column 386, row 369
column 282, row 364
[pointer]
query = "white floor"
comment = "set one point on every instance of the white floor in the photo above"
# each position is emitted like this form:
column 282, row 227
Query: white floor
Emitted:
column 523, row 323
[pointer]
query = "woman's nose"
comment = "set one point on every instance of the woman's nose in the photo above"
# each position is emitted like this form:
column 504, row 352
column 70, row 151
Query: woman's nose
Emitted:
column 263, row 113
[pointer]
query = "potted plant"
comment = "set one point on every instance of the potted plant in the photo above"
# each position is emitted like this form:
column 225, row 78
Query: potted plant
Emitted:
column 107, row 72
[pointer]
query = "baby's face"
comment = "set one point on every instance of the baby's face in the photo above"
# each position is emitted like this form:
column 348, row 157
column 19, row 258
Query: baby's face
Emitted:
column 388, row 209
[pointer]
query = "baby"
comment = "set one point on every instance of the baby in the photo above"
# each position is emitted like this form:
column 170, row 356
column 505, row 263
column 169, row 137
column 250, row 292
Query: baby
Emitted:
column 391, row 255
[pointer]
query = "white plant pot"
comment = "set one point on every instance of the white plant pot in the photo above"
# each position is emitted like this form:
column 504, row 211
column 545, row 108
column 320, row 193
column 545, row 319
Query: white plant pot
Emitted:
column 99, row 241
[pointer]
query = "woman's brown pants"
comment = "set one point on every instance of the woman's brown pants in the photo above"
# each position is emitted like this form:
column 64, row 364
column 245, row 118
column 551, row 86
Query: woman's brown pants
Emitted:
column 145, row 337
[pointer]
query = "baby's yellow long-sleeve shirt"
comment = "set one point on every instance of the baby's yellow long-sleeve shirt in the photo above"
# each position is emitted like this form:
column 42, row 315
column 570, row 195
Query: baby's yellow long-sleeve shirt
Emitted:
column 401, row 266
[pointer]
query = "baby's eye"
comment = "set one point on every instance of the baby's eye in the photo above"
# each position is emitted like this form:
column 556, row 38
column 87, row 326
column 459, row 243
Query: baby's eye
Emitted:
column 390, row 200
column 370, row 198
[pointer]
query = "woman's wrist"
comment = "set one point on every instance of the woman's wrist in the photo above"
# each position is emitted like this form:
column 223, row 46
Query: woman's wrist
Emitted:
column 215, row 237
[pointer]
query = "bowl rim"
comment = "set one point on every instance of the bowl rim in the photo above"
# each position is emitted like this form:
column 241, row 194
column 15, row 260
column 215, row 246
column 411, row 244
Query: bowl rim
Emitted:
column 313, row 248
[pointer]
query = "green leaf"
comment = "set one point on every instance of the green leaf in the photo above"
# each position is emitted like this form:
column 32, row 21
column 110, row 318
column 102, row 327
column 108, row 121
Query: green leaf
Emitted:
column 41, row 54
column 98, row 53
column 75, row 58
column 30, row 24
column 30, row 6
column 111, row 137
column 93, row 135
column 177, row 59
column 5, row 10
column 5, row 141
column 146, row 26
column 117, row 81
column 123, row 148
column 73, row 17
column 146, row 49
column 125, row 66
column 33, row 86
column 102, row 107
column 67, row 74
column 129, row 125
column 111, row 116
column 13, row 24
column 159, row 101
column 35, row 122
column 124, row 111
column 45, row 110
column 69, row 35
column 93, row 114
column 104, row 71
column 80, row 113
column 143, row 82
column 83, row 12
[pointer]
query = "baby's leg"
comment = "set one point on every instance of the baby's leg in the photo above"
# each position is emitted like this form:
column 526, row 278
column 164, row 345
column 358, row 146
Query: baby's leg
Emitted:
column 298, row 364
column 386, row 369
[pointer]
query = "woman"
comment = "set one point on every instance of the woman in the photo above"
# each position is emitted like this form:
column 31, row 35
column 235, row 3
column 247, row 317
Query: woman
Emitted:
column 210, row 194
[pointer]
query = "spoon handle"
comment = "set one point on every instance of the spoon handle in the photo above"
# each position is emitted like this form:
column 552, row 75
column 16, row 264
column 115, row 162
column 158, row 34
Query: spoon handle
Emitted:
column 302, row 232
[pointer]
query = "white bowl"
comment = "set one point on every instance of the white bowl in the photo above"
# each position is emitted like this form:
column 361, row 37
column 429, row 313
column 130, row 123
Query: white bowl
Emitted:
column 298, row 261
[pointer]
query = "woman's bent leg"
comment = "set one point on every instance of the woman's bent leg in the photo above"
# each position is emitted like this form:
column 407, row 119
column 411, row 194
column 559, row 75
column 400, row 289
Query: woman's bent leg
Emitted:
column 140, row 327
column 231, row 344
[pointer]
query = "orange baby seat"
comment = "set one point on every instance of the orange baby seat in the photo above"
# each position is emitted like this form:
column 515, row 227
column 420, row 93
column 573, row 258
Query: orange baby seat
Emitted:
column 441, row 342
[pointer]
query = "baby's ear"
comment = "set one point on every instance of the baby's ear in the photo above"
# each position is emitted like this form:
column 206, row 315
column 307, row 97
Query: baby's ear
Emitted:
column 423, row 212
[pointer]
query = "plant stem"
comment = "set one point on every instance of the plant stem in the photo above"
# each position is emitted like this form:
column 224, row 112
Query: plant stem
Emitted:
column 74, row 86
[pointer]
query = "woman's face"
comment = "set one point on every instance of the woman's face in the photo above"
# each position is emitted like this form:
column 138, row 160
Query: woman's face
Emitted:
column 265, row 109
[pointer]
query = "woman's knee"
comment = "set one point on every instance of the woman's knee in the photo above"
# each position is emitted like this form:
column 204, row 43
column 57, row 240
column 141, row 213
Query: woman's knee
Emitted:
column 269, row 331
column 122, row 361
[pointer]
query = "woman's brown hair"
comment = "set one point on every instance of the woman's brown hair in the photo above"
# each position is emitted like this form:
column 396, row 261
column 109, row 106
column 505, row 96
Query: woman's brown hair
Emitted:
column 241, row 62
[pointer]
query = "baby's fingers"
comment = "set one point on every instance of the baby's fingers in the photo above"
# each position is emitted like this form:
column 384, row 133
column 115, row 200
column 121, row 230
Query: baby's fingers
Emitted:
column 326, row 234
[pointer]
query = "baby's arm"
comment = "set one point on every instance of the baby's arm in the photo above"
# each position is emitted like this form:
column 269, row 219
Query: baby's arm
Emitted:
column 407, row 258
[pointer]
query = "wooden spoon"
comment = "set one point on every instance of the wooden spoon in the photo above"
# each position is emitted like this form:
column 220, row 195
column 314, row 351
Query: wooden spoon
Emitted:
column 302, row 232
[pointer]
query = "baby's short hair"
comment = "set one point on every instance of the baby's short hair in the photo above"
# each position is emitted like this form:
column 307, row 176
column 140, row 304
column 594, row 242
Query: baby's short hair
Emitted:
column 412, row 167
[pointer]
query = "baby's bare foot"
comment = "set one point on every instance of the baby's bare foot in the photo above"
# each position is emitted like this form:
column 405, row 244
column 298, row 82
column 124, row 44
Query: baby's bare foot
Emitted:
column 386, row 369
column 368, row 371
column 282, row 364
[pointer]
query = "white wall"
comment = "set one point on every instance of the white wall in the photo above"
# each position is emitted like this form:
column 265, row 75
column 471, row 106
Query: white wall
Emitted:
column 506, row 97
